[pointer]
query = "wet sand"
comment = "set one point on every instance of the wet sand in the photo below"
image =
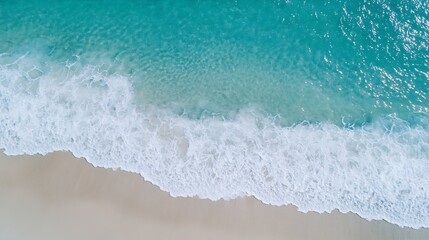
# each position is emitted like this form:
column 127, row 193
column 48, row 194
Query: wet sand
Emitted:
column 61, row 197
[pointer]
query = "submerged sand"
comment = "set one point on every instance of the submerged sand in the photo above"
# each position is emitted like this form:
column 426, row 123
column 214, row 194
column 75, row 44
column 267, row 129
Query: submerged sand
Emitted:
column 60, row 197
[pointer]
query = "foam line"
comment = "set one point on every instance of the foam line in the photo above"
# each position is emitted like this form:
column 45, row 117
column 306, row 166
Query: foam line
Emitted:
column 379, row 171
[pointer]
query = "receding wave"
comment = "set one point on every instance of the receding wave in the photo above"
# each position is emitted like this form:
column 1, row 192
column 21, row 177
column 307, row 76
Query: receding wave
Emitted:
column 379, row 171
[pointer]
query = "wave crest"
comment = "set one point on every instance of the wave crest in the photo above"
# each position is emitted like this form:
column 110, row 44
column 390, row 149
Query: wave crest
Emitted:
column 378, row 171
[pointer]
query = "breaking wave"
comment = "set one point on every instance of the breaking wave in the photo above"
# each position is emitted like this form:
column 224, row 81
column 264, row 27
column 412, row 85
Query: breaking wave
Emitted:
column 379, row 171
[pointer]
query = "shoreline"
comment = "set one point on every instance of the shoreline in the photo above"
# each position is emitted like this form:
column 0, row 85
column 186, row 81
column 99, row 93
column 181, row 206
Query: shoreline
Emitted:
column 45, row 197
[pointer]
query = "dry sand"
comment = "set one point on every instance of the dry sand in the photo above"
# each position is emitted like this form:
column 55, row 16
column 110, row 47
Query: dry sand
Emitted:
column 60, row 197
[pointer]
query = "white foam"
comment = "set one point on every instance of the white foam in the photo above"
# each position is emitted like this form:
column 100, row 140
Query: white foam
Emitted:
column 375, row 171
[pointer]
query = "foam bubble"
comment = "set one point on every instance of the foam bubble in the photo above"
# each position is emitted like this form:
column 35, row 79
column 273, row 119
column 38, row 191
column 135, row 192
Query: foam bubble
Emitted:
column 378, row 171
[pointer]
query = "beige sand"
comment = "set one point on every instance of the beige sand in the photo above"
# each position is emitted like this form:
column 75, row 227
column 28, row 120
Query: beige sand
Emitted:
column 61, row 197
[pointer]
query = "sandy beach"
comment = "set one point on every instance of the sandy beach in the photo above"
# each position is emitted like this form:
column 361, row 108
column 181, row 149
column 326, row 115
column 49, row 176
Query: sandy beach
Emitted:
column 61, row 197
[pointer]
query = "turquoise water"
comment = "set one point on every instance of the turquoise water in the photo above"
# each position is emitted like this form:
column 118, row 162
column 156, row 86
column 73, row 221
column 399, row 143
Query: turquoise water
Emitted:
column 275, row 99
column 316, row 62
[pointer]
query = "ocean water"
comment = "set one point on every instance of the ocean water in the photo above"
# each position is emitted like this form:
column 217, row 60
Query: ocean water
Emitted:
column 323, row 105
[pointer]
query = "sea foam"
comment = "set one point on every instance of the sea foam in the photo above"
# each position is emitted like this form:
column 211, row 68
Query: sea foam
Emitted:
column 379, row 171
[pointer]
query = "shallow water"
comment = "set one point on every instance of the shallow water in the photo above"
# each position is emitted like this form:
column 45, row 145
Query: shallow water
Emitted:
column 280, row 100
